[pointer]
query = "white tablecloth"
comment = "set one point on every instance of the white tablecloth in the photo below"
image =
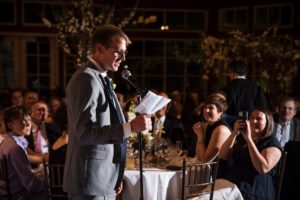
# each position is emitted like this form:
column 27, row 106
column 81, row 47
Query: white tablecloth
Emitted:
column 158, row 185
column 166, row 185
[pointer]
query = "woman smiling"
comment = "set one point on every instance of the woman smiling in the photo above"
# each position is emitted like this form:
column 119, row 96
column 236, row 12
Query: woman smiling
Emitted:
column 255, row 153
column 214, row 131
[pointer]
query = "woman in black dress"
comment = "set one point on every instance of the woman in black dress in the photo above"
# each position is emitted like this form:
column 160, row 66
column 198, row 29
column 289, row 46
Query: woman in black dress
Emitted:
column 213, row 131
column 254, row 153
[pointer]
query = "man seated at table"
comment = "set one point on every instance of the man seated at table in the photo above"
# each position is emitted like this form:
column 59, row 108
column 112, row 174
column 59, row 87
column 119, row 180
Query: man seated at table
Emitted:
column 287, row 126
column 168, row 128
column 24, row 184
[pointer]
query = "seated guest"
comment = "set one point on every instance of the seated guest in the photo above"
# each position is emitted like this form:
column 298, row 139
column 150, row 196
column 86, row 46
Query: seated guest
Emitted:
column 58, row 150
column 287, row 127
column 54, row 104
column 24, row 184
column 16, row 97
column 172, row 128
column 212, row 132
column 254, row 153
column 30, row 97
column 42, row 134
column 175, row 107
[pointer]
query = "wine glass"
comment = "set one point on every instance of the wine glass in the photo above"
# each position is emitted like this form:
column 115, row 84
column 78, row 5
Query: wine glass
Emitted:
column 178, row 146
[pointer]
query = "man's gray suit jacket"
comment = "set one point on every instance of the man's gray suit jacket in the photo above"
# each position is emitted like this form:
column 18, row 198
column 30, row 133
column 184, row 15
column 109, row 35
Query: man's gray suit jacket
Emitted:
column 94, row 126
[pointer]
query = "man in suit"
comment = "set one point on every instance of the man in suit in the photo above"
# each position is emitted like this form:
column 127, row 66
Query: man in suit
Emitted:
column 39, row 111
column 173, row 129
column 97, row 130
column 241, row 94
column 43, row 135
column 287, row 127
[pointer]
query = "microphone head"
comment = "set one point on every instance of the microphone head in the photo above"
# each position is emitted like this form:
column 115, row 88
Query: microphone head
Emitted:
column 126, row 74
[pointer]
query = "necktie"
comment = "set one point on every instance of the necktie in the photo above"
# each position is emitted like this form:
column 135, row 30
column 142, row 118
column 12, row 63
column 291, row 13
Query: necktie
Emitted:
column 284, row 135
column 108, row 85
column 119, row 149
column 38, row 145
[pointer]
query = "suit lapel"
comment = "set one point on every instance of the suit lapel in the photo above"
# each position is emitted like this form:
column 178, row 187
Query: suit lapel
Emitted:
column 292, row 130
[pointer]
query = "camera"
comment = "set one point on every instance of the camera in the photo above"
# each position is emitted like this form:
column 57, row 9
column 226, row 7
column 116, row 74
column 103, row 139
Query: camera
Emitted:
column 243, row 115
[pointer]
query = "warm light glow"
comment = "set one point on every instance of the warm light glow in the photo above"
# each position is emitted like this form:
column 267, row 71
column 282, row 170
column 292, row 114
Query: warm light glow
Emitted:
column 164, row 28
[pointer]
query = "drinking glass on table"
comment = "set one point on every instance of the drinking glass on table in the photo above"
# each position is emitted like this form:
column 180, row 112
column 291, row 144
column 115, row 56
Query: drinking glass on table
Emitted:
column 178, row 146
column 158, row 153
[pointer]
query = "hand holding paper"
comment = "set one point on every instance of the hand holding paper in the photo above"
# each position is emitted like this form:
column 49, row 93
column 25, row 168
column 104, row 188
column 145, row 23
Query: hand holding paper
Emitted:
column 151, row 103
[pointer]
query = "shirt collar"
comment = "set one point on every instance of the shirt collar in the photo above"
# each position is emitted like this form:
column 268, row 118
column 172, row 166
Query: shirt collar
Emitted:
column 20, row 140
column 287, row 123
column 34, row 127
column 162, row 119
column 100, row 69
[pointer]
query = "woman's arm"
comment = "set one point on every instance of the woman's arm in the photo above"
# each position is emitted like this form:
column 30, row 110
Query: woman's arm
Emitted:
column 219, row 136
column 226, row 148
column 265, row 161
column 199, row 129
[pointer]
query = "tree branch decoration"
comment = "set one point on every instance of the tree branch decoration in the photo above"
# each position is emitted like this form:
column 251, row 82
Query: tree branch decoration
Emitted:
column 77, row 23
column 272, row 58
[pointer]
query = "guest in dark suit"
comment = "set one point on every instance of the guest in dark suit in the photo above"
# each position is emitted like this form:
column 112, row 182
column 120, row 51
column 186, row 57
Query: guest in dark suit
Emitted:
column 241, row 94
column 97, row 129
column 287, row 127
column 173, row 128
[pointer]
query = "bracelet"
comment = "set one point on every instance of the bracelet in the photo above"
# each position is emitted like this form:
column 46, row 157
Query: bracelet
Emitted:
column 200, row 142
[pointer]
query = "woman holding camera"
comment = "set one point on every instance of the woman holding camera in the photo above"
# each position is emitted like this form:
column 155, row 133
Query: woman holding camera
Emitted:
column 254, row 153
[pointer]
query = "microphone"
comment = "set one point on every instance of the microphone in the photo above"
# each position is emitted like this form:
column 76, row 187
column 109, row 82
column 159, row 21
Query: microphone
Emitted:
column 126, row 74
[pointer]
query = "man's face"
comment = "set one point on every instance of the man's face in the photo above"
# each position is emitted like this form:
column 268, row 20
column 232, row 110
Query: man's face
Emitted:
column 161, row 112
column 113, row 55
column 21, row 127
column 287, row 111
column 55, row 104
column 17, row 98
column 30, row 98
column 39, row 113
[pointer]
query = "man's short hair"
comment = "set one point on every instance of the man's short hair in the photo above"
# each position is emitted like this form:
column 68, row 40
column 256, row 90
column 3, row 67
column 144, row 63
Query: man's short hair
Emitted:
column 103, row 35
column 238, row 67
column 14, row 113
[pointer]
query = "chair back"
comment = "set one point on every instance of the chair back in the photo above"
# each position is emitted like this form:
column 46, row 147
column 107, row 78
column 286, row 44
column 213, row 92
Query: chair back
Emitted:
column 54, row 177
column 198, row 179
column 4, row 180
column 291, row 178
column 280, row 174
